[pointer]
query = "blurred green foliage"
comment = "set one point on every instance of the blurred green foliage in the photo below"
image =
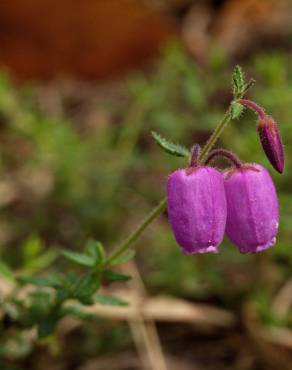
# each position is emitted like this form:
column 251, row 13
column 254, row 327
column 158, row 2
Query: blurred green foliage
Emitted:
column 60, row 185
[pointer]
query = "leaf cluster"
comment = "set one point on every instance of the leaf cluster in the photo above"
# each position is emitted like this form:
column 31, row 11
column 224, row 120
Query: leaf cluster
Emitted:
column 53, row 294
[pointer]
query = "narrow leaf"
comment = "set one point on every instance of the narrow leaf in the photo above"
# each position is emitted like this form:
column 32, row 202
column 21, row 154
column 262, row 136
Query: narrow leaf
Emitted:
column 80, row 258
column 75, row 311
column 86, row 287
column 41, row 262
column 115, row 276
column 95, row 249
column 169, row 147
column 109, row 300
column 51, row 281
column 69, row 280
column 238, row 81
column 250, row 83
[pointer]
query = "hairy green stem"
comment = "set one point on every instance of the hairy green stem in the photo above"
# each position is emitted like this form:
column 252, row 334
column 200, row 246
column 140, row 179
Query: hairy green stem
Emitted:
column 162, row 205
column 136, row 233
column 215, row 135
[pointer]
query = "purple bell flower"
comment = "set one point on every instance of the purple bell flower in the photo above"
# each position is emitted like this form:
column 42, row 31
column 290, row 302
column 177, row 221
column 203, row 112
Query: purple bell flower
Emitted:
column 197, row 208
column 271, row 142
column 252, row 206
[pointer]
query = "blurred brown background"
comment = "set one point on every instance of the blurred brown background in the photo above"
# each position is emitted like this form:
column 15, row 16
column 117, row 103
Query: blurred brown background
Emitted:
column 101, row 38
column 87, row 81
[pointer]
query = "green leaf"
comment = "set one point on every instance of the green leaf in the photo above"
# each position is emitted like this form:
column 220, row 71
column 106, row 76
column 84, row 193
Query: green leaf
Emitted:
column 109, row 300
column 169, row 147
column 40, row 303
column 86, row 287
column 6, row 271
column 123, row 258
column 50, row 281
column 69, row 281
column 238, row 81
column 80, row 258
column 250, row 83
column 42, row 261
column 46, row 327
column 31, row 248
column 115, row 276
column 236, row 110
column 76, row 311
column 95, row 249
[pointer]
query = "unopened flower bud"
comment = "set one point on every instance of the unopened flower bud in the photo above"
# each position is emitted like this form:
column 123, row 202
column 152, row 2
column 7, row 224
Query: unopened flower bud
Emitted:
column 197, row 208
column 252, row 208
column 271, row 142
column 269, row 135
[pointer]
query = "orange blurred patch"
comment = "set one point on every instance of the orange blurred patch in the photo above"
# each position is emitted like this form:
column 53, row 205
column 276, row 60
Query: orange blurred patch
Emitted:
column 85, row 38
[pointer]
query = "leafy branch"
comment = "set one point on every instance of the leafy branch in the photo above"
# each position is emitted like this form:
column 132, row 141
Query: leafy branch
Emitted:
column 50, row 301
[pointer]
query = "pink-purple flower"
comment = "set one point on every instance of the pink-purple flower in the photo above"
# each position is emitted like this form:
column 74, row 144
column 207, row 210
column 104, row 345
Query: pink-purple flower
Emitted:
column 197, row 208
column 204, row 203
column 271, row 142
column 252, row 208
column 269, row 135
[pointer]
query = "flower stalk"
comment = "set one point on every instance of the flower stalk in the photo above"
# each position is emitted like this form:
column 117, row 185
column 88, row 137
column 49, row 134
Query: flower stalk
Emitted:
column 161, row 207
column 216, row 134
column 156, row 211
column 199, row 156
column 253, row 106
column 226, row 154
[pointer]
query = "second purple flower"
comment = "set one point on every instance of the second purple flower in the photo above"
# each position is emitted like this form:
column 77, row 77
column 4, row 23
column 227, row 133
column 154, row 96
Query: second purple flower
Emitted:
column 252, row 208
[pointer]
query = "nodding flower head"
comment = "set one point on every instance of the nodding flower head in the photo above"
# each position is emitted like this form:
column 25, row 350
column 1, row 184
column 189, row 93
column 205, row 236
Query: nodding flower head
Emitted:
column 269, row 135
column 271, row 142
column 197, row 208
column 252, row 208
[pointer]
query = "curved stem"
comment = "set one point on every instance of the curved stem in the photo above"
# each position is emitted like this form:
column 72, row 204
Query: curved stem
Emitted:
column 136, row 233
column 162, row 205
column 224, row 153
column 253, row 106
